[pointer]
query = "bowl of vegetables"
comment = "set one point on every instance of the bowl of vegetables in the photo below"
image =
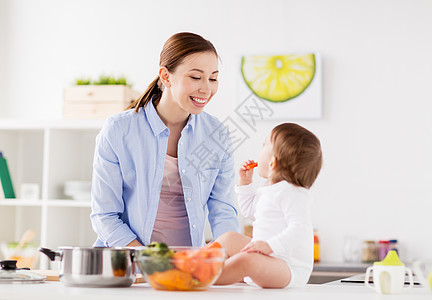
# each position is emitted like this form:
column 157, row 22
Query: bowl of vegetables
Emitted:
column 180, row 268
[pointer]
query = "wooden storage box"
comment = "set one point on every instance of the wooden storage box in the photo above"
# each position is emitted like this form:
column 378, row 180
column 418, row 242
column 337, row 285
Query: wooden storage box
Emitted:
column 96, row 101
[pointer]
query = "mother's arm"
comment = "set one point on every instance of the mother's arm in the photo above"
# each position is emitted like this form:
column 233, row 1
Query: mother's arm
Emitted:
column 107, row 199
column 222, row 212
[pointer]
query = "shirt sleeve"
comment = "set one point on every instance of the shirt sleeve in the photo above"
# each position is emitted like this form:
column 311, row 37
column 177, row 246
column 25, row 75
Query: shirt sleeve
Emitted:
column 107, row 202
column 246, row 200
column 222, row 212
column 297, row 216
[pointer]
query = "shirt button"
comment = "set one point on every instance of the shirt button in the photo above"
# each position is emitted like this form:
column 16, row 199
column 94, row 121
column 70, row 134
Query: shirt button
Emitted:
column 188, row 199
column 194, row 226
column 181, row 143
column 183, row 171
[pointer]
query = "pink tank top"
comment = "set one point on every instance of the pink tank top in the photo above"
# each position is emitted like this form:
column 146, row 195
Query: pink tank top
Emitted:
column 172, row 223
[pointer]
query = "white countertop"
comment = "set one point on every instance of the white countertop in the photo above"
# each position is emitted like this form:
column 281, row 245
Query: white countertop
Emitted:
column 143, row 291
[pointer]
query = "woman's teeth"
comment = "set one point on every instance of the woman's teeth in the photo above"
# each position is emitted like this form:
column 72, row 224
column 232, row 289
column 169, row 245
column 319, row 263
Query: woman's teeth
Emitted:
column 198, row 100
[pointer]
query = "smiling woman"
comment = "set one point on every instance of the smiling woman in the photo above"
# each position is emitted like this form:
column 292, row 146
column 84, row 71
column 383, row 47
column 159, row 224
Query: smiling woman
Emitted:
column 190, row 87
column 150, row 165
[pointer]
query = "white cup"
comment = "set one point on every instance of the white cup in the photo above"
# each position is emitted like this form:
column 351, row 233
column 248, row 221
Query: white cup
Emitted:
column 389, row 279
column 29, row 191
column 423, row 271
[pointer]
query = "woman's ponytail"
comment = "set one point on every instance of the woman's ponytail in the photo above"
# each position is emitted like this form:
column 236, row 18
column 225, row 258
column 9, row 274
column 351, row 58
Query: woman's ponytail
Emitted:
column 153, row 92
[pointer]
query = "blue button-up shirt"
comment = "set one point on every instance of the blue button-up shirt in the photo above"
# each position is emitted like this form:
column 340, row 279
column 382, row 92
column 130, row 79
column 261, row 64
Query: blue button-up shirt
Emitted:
column 128, row 170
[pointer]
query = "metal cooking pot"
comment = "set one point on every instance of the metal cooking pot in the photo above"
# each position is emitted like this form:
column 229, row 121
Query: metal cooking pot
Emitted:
column 95, row 266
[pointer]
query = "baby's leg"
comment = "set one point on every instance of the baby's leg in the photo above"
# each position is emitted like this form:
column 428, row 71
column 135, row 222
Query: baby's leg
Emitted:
column 266, row 271
column 233, row 242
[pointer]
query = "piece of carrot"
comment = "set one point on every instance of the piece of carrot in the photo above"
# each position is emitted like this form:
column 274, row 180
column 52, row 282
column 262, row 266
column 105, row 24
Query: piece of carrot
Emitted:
column 185, row 260
column 213, row 244
column 204, row 272
column 196, row 262
column 251, row 166
column 172, row 280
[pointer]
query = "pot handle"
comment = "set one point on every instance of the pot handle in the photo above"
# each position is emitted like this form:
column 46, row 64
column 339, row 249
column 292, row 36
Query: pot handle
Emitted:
column 48, row 252
column 133, row 255
column 366, row 280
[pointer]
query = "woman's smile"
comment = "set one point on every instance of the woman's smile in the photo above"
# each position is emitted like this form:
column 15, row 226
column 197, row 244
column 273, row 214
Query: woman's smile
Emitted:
column 198, row 100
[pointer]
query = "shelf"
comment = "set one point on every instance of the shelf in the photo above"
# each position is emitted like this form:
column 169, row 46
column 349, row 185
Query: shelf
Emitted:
column 25, row 124
column 48, row 203
column 48, row 153
column 20, row 202
column 67, row 203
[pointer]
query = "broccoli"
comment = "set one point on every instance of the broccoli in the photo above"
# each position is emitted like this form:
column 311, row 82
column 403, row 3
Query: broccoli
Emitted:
column 156, row 258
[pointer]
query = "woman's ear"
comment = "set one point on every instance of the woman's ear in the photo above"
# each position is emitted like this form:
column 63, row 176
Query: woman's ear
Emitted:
column 164, row 76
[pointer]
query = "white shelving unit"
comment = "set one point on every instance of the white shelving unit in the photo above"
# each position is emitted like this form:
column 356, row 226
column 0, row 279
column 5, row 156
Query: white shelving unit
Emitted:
column 48, row 153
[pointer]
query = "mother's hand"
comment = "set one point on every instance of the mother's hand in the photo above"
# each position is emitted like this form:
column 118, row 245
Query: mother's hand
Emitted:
column 134, row 243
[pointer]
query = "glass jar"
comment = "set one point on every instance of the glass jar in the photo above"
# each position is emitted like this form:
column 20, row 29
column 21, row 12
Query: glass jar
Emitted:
column 248, row 230
column 393, row 245
column 383, row 248
column 369, row 251
column 316, row 246
column 351, row 249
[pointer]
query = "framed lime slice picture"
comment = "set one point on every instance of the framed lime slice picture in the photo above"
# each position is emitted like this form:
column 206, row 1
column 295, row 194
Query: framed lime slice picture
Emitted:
column 288, row 86
column 278, row 78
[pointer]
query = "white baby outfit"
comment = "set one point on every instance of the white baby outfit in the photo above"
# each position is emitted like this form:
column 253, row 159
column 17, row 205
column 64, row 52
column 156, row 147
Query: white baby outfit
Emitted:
column 281, row 217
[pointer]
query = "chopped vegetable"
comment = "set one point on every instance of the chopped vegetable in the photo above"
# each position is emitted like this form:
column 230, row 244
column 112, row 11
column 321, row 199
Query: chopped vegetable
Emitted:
column 192, row 269
column 119, row 273
column 173, row 280
column 160, row 261
column 251, row 166
column 199, row 263
column 213, row 244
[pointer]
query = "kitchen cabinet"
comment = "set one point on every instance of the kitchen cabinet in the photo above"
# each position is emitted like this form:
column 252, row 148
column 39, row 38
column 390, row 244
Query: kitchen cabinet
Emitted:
column 48, row 153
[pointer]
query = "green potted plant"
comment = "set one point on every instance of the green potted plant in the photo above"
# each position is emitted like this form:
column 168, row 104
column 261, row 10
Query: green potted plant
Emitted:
column 99, row 98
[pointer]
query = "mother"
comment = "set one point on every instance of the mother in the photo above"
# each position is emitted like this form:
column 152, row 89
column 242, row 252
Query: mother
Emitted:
column 163, row 164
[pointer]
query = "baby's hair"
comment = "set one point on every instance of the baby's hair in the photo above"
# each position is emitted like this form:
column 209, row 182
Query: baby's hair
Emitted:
column 298, row 155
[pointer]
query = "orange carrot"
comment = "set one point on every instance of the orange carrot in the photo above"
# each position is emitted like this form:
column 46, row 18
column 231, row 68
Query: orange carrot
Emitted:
column 251, row 166
column 204, row 271
column 213, row 244
column 184, row 260
column 172, row 280
column 197, row 264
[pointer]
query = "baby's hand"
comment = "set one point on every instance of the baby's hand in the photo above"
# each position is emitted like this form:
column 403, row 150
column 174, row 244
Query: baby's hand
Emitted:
column 246, row 172
column 259, row 247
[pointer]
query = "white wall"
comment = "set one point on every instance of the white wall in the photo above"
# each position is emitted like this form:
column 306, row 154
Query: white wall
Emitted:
column 376, row 129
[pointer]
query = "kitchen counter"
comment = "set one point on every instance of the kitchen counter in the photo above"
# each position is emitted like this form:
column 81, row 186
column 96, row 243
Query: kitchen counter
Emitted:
column 56, row 290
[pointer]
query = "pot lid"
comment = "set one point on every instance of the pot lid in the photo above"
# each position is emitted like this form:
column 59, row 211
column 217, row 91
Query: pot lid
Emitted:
column 9, row 273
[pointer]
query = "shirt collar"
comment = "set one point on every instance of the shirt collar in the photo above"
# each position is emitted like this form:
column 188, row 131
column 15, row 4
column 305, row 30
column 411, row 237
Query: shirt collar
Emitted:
column 153, row 118
column 192, row 122
column 156, row 123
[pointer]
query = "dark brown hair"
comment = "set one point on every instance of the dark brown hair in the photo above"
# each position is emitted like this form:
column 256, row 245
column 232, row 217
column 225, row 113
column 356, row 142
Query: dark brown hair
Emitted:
column 298, row 155
column 174, row 51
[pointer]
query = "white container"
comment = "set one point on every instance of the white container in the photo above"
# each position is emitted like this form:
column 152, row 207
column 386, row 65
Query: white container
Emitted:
column 423, row 271
column 78, row 190
column 389, row 279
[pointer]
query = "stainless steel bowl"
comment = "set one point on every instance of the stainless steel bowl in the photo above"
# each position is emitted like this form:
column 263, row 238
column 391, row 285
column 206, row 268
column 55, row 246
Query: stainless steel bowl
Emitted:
column 95, row 267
